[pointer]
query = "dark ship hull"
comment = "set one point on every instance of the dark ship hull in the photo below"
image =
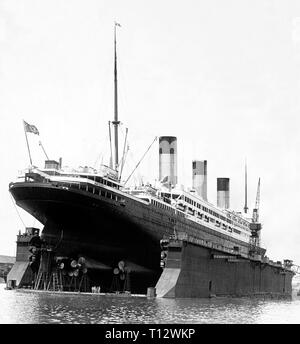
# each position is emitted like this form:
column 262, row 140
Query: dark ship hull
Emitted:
column 80, row 222
column 105, row 231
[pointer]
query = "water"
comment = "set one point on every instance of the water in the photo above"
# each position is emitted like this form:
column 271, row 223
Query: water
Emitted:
column 17, row 307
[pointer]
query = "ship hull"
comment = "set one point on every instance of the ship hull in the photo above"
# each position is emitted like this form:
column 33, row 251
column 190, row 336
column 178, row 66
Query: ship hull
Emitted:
column 105, row 231
column 78, row 225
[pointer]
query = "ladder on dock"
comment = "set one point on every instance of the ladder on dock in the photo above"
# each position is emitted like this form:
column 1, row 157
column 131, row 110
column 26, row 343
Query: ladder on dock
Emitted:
column 41, row 280
column 55, row 282
column 83, row 284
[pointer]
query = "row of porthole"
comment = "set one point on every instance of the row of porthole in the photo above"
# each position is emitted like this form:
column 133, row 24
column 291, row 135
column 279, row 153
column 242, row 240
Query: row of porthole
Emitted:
column 102, row 193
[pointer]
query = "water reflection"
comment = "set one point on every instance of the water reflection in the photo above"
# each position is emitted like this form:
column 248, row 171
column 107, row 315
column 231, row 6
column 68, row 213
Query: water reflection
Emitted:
column 29, row 307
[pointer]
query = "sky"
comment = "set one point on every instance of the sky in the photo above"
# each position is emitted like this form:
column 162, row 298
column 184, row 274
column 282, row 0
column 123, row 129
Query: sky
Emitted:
column 221, row 76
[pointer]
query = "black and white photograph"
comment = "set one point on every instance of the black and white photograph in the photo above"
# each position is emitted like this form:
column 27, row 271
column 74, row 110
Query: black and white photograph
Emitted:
column 150, row 153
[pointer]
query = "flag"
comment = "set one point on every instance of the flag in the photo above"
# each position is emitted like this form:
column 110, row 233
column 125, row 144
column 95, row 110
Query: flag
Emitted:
column 31, row 128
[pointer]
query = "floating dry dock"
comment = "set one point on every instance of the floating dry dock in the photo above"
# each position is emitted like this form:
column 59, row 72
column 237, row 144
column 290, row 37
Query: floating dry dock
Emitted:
column 192, row 268
column 198, row 268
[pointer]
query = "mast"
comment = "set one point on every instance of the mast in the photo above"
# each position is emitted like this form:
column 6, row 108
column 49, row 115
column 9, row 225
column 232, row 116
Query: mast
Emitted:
column 246, row 206
column 116, row 122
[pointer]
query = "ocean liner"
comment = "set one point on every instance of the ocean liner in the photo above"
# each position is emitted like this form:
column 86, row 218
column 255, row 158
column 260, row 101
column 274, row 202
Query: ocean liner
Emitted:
column 129, row 239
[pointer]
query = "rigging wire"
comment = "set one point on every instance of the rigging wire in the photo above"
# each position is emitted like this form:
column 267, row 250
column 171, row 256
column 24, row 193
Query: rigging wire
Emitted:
column 59, row 240
column 131, row 165
column 141, row 159
column 122, row 162
column 110, row 146
column 101, row 156
column 17, row 210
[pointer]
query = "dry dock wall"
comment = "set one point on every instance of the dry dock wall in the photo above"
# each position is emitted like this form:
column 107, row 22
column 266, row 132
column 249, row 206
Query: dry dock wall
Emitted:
column 196, row 271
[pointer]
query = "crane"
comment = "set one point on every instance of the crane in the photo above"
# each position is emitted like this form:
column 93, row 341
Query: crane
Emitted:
column 255, row 214
column 255, row 226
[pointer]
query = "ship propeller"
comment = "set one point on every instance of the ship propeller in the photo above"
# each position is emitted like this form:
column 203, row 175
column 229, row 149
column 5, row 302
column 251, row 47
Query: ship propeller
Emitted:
column 123, row 269
column 81, row 260
column 61, row 265
column 121, row 265
column 71, row 267
column 74, row 264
